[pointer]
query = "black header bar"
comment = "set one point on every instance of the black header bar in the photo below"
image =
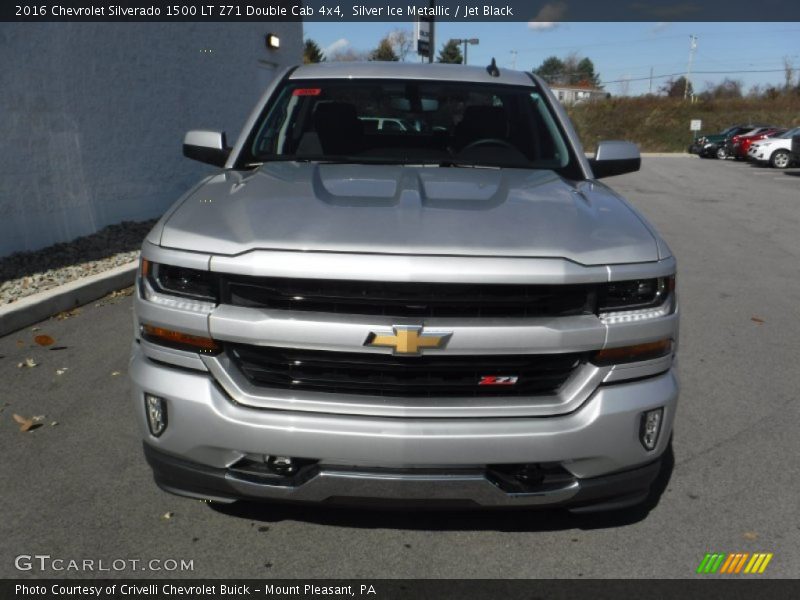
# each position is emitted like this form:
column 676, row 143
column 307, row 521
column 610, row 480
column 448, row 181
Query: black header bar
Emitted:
column 400, row 10
column 705, row 587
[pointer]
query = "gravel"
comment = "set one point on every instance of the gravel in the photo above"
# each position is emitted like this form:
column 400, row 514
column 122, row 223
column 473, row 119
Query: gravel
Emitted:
column 26, row 273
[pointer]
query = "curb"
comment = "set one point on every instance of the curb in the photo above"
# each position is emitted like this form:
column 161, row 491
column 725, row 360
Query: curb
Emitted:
column 37, row 307
column 665, row 154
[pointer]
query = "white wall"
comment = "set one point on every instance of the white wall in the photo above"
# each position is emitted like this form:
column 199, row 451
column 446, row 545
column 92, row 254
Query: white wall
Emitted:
column 92, row 116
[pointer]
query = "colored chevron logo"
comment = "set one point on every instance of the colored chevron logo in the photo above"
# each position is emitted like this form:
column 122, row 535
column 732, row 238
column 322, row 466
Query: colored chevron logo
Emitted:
column 734, row 563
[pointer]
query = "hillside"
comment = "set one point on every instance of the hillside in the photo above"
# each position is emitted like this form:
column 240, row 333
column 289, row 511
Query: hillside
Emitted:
column 660, row 124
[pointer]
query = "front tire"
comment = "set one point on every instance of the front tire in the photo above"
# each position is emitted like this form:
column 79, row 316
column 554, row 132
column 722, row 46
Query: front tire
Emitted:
column 722, row 153
column 779, row 159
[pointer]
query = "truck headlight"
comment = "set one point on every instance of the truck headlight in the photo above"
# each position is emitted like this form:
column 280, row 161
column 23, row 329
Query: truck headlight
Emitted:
column 179, row 287
column 181, row 281
column 636, row 299
column 635, row 293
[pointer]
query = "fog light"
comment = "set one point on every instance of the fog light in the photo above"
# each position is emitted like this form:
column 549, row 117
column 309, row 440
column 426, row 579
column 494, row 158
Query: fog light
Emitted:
column 650, row 428
column 156, row 409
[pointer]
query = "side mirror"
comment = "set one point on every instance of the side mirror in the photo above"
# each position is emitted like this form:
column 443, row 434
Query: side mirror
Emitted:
column 206, row 146
column 615, row 158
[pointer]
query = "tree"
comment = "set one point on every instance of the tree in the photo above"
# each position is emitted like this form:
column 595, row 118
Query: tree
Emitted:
column 572, row 70
column 384, row 51
column 312, row 52
column 450, row 53
column 676, row 88
column 402, row 41
column 585, row 75
column 551, row 70
column 728, row 88
column 348, row 55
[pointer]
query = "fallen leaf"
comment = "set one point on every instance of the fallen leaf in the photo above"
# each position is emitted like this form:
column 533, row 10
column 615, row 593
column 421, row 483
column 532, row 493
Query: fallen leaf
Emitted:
column 167, row 516
column 750, row 535
column 67, row 314
column 53, row 423
column 57, row 348
column 24, row 424
column 38, row 418
column 44, row 340
column 757, row 320
column 29, row 363
column 61, row 371
column 20, row 343
column 36, row 328
column 114, row 373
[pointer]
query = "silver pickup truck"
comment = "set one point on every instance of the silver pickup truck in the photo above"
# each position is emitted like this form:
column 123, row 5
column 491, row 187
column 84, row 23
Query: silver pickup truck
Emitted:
column 455, row 313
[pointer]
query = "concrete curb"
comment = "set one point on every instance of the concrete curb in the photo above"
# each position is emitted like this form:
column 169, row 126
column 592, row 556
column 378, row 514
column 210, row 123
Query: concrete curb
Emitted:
column 32, row 309
column 665, row 154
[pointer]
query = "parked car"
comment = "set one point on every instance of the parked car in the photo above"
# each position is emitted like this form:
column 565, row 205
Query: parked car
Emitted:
column 734, row 142
column 742, row 145
column 340, row 315
column 372, row 124
column 713, row 146
column 697, row 144
column 774, row 151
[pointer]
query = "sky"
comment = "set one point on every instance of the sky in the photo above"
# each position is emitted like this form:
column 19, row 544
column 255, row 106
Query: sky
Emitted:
column 623, row 53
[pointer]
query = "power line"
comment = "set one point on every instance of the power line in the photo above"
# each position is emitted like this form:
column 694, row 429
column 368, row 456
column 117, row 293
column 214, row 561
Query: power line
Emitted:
column 650, row 40
column 679, row 74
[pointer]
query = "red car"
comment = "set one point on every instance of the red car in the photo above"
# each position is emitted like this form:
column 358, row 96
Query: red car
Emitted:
column 742, row 143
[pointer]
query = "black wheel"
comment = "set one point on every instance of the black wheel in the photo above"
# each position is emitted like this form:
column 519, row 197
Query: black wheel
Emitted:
column 722, row 153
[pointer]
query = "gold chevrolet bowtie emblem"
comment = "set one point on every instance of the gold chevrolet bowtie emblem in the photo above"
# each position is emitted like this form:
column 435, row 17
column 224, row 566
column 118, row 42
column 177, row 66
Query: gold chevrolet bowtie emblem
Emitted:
column 406, row 339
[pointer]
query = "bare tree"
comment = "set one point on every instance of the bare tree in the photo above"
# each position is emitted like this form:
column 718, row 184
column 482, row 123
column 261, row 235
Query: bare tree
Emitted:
column 402, row 41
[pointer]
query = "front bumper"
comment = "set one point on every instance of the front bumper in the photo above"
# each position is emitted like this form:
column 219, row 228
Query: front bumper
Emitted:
column 401, row 459
column 465, row 488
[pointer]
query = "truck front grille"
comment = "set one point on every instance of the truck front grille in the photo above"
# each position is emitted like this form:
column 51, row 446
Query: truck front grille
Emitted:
column 388, row 375
column 409, row 299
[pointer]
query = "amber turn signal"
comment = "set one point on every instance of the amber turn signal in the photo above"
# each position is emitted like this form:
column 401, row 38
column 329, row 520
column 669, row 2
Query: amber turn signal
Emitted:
column 145, row 268
column 647, row 351
column 176, row 339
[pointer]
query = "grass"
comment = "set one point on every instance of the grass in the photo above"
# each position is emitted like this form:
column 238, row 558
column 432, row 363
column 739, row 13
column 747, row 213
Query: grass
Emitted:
column 661, row 124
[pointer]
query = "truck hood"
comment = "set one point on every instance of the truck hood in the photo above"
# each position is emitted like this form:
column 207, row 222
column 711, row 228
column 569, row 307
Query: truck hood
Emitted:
column 409, row 210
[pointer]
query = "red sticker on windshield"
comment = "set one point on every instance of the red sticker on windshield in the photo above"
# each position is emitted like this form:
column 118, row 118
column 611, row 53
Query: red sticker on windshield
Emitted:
column 307, row 92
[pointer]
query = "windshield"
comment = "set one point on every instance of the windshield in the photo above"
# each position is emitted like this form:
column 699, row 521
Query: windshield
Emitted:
column 410, row 122
column 791, row 133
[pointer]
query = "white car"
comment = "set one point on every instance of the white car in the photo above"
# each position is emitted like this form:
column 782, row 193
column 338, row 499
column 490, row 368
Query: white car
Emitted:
column 775, row 150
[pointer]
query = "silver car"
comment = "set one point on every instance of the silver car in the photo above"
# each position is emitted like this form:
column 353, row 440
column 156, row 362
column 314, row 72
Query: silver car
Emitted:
column 456, row 313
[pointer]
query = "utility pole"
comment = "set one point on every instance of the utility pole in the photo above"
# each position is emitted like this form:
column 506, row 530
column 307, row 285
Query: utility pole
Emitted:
column 433, row 27
column 514, row 60
column 692, row 48
column 650, row 88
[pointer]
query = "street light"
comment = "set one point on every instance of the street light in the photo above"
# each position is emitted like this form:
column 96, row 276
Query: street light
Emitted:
column 465, row 41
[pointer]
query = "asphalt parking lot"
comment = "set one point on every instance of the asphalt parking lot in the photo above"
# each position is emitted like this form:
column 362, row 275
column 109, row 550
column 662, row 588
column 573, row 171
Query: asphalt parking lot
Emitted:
column 81, row 489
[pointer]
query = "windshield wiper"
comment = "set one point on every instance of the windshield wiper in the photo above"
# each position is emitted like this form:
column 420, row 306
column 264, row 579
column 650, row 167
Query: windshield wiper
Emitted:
column 466, row 165
column 337, row 160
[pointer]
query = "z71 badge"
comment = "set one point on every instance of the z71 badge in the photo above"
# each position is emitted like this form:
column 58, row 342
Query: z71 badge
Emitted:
column 498, row 380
